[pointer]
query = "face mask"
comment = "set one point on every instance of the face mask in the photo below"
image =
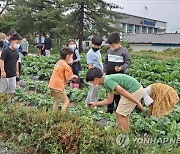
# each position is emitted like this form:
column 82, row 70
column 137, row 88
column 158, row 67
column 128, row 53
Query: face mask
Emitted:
column 91, row 84
column 16, row 46
column 72, row 46
column 95, row 49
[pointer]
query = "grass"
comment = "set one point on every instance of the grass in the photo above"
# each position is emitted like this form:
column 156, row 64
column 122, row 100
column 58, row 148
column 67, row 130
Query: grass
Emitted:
column 165, row 55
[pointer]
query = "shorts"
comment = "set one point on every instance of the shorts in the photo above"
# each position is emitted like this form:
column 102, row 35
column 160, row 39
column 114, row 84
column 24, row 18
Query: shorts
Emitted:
column 59, row 95
column 92, row 94
column 47, row 52
column 126, row 106
column 8, row 85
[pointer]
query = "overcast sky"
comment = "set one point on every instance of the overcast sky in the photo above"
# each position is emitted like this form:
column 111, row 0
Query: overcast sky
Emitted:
column 163, row 10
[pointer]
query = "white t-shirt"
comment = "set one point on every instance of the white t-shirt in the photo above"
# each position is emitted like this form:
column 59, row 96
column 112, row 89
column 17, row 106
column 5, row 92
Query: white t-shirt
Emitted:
column 147, row 93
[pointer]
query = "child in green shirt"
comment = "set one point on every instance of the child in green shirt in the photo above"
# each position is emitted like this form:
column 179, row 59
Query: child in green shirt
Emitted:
column 128, row 87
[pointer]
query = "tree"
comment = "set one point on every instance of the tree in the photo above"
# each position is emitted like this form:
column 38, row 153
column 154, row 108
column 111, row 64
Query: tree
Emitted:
column 31, row 16
column 89, row 16
column 5, row 4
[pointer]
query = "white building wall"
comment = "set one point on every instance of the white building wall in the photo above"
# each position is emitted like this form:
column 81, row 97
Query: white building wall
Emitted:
column 137, row 20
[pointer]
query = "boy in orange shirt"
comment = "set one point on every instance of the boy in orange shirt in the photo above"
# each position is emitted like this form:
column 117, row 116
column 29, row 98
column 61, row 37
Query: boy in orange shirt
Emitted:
column 62, row 73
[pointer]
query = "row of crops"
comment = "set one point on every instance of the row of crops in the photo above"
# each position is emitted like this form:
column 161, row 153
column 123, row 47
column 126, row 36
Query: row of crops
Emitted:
column 36, row 72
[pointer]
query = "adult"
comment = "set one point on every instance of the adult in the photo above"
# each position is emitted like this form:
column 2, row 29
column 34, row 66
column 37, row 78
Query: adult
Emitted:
column 39, row 44
column 47, row 45
column 25, row 46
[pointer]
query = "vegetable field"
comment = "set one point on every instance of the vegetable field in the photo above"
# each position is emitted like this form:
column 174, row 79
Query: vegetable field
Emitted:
column 28, row 125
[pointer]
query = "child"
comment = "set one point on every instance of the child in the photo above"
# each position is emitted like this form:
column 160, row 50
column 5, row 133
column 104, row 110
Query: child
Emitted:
column 2, row 38
column 61, row 74
column 9, row 66
column 76, row 66
column 6, row 43
column 94, row 59
column 128, row 87
column 117, row 61
column 160, row 98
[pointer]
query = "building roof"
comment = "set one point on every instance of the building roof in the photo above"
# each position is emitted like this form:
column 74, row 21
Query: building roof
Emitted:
column 167, row 38
column 141, row 17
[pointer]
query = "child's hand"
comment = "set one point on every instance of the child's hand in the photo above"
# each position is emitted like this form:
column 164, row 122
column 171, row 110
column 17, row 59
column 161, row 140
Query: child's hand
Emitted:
column 75, row 77
column 17, row 74
column 91, row 104
column 117, row 68
column 3, row 74
column 142, row 108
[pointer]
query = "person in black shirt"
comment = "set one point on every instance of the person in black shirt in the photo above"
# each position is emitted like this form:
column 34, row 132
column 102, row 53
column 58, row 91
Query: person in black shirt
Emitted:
column 117, row 61
column 9, row 66
column 47, row 45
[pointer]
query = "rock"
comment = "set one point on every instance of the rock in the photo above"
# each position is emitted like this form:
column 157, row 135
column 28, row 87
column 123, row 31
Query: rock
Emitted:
column 35, row 78
column 102, row 122
column 22, row 84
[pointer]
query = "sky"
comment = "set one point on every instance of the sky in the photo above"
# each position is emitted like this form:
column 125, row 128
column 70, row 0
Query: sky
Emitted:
column 163, row 10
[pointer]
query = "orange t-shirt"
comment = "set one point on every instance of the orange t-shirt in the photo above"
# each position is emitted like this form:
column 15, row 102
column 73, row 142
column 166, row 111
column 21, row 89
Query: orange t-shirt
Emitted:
column 61, row 71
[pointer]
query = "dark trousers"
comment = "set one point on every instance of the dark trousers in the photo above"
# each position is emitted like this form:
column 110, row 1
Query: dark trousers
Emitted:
column 24, row 53
column 75, row 70
column 112, row 107
column 19, row 66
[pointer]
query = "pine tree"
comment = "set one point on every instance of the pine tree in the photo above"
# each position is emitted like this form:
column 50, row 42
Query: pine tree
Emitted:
column 89, row 16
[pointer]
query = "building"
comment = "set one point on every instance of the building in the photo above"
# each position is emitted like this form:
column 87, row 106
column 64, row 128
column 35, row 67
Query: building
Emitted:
column 132, row 24
column 157, row 42
column 144, row 30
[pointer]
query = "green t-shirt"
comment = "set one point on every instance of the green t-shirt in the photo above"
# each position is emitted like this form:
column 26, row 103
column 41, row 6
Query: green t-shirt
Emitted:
column 127, row 82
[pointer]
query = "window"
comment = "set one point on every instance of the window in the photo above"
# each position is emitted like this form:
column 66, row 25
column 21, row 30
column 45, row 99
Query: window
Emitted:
column 129, row 28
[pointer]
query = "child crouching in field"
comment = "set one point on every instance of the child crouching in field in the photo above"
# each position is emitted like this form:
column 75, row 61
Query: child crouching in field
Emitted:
column 128, row 87
column 61, row 74
column 160, row 98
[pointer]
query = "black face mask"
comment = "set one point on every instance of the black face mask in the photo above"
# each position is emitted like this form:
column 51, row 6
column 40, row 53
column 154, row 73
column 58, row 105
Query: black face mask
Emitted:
column 95, row 49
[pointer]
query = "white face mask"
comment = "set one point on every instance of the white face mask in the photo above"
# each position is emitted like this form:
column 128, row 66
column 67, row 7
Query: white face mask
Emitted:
column 72, row 46
column 91, row 84
column 16, row 46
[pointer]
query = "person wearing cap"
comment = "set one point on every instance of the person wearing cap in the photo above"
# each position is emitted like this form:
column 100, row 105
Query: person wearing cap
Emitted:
column 160, row 98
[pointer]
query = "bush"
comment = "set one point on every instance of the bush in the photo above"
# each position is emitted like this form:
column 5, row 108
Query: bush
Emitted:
column 29, row 130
